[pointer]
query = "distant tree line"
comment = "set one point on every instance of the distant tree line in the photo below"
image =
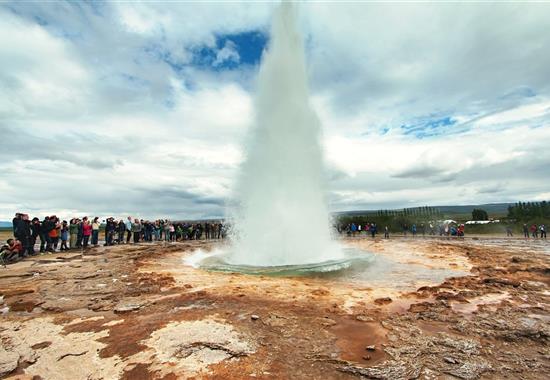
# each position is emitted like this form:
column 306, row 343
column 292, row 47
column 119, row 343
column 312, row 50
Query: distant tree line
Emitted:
column 524, row 211
column 422, row 211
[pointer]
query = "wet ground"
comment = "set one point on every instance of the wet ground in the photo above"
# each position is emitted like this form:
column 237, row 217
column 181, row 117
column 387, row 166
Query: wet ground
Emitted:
column 428, row 309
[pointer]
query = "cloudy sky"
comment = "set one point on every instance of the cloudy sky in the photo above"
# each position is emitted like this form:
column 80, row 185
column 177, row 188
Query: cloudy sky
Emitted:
column 122, row 108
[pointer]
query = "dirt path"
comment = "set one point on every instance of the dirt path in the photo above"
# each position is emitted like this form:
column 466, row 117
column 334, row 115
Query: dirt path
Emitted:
column 136, row 312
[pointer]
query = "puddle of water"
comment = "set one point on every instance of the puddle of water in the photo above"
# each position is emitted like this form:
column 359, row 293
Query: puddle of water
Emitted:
column 474, row 303
column 352, row 338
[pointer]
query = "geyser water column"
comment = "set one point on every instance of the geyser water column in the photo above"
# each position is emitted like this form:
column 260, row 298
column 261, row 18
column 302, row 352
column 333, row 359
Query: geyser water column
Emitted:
column 282, row 218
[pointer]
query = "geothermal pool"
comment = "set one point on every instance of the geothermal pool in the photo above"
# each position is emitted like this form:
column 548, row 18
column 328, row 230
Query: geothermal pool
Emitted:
column 400, row 271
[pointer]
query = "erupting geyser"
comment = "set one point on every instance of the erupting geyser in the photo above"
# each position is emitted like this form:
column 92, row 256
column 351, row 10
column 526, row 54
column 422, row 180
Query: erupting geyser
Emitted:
column 281, row 225
column 283, row 217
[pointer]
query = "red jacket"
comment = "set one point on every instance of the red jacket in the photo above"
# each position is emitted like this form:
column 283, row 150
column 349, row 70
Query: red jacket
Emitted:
column 86, row 229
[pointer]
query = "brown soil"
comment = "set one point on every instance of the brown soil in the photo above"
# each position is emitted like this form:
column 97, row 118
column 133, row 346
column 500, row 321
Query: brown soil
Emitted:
column 137, row 312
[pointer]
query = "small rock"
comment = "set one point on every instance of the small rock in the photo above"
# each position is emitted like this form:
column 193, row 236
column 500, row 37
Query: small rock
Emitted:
column 450, row 360
column 8, row 361
column 370, row 348
column 124, row 308
column 383, row 301
column 254, row 317
column 328, row 322
column 364, row 318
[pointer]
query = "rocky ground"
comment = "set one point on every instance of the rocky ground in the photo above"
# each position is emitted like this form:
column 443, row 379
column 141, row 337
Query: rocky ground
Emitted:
column 137, row 312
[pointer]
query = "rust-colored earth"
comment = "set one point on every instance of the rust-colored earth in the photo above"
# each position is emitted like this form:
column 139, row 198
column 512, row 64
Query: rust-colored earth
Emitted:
column 139, row 312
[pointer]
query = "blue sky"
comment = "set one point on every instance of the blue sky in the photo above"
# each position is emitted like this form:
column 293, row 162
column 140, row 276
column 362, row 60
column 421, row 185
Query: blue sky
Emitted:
column 419, row 103
column 243, row 48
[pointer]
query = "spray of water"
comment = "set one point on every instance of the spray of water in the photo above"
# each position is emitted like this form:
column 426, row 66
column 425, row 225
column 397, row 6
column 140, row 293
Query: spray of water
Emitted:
column 283, row 217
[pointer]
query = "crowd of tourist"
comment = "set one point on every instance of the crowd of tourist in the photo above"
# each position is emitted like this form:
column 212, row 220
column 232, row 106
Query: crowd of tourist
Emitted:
column 441, row 229
column 54, row 234
column 532, row 230
column 354, row 229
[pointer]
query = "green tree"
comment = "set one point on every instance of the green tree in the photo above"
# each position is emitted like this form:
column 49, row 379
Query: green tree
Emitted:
column 479, row 214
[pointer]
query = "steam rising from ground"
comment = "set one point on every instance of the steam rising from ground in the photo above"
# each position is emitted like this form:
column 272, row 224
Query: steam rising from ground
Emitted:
column 283, row 216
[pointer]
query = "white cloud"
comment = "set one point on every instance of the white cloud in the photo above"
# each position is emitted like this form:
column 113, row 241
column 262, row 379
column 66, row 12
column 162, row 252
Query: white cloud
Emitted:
column 517, row 114
column 39, row 72
column 228, row 53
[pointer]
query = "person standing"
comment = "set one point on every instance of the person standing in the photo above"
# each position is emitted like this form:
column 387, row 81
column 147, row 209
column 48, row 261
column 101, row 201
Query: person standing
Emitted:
column 542, row 229
column 525, row 231
column 110, row 231
column 128, row 224
column 161, row 231
column 80, row 233
column 534, row 231
column 15, row 222
column 157, row 229
column 353, row 229
column 19, row 231
column 73, row 233
column 172, row 232
column 47, row 226
column 223, row 229
column 35, row 233
column 121, row 228
column 149, row 231
column 25, row 235
column 199, row 231
column 86, row 231
column 142, row 235
column 136, row 230
column 167, row 231
column 95, row 231
column 44, row 235
column 509, row 231
column 220, row 227
column 55, row 232
column 386, row 232
column 207, row 230
column 64, row 236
